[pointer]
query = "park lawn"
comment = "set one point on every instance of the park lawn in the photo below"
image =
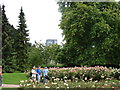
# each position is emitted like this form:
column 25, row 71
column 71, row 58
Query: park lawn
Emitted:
column 13, row 78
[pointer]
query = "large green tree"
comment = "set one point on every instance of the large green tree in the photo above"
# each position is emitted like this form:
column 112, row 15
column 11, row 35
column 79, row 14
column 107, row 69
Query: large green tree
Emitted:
column 7, row 44
column 22, row 42
column 91, row 32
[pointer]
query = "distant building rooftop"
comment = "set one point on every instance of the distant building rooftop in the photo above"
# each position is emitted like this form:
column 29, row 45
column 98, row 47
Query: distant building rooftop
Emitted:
column 51, row 41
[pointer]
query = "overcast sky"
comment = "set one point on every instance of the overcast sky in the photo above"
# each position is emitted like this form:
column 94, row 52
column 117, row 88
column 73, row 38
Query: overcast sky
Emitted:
column 42, row 18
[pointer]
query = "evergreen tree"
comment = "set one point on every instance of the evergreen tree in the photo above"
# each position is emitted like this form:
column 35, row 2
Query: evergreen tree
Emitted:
column 22, row 42
column 7, row 43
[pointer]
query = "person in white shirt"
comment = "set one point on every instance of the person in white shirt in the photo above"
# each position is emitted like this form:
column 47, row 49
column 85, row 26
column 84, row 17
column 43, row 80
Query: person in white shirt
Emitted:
column 34, row 73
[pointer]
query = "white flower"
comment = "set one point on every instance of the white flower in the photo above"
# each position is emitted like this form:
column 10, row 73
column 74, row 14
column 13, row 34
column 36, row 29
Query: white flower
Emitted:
column 102, row 76
column 28, row 84
column 65, row 77
column 64, row 83
column 54, row 83
column 53, row 77
column 96, row 81
column 67, row 87
column 47, row 87
column 113, row 82
column 90, row 79
column 58, row 79
column 57, row 87
column 65, row 80
column 22, row 81
column 85, row 78
column 76, row 78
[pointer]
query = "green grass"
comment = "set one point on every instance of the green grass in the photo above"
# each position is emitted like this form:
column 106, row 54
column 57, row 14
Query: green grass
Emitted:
column 13, row 78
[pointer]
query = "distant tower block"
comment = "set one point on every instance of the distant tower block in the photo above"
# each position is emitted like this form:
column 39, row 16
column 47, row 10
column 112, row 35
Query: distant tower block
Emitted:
column 51, row 41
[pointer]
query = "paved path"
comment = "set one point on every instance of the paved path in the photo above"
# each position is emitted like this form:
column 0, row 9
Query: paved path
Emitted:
column 10, row 85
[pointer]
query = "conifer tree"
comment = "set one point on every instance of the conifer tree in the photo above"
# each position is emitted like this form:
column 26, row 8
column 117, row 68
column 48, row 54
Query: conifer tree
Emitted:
column 22, row 40
column 7, row 43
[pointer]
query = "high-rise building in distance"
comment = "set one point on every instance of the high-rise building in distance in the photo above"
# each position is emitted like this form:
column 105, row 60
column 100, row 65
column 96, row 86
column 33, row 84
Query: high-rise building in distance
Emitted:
column 51, row 41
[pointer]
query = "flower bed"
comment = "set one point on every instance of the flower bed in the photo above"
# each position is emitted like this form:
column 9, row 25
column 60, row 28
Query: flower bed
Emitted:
column 83, row 73
column 68, row 84
column 78, row 77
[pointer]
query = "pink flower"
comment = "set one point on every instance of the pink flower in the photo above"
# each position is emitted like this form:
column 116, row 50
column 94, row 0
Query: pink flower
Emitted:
column 113, row 87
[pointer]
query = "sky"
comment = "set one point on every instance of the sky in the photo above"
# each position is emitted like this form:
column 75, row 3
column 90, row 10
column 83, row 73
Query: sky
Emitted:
column 42, row 18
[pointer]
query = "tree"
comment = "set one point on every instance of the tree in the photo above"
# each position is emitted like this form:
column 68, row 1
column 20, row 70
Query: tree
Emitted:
column 51, row 53
column 22, row 42
column 7, row 44
column 36, row 54
column 91, row 32
column 42, row 55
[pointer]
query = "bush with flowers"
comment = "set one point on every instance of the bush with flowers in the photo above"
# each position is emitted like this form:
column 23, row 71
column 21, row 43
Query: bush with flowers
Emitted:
column 78, row 77
column 83, row 73
column 57, row 83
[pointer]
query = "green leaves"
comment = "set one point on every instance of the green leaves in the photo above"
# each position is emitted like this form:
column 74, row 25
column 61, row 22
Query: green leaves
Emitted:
column 91, row 24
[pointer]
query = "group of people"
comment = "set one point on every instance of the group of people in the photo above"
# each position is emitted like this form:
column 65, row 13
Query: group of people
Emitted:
column 37, row 74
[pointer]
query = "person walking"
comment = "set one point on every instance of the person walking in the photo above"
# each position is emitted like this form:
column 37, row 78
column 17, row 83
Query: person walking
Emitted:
column 39, row 74
column 45, row 73
column 33, row 71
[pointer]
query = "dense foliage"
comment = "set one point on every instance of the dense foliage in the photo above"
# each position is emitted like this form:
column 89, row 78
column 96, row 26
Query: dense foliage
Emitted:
column 41, row 55
column 14, row 44
column 7, row 43
column 91, row 32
